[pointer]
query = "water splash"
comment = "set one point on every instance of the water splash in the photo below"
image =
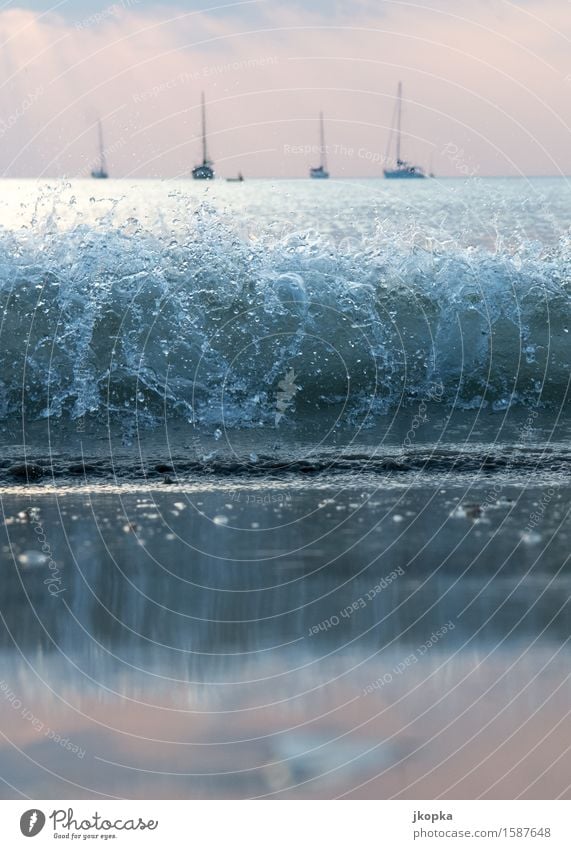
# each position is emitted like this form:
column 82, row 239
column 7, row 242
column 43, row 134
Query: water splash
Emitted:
column 132, row 323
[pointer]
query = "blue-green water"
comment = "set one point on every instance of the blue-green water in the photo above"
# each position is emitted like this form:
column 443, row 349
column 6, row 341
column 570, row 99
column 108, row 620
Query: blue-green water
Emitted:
column 284, row 480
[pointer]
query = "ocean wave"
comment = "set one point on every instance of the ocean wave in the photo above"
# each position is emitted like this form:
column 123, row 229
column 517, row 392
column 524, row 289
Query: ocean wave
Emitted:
column 182, row 468
column 204, row 325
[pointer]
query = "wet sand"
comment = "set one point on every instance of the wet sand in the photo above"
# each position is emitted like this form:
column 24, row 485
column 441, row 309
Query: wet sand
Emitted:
column 374, row 642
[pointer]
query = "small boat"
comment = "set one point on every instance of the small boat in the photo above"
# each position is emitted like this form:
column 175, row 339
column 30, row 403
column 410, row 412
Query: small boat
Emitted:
column 321, row 172
column 238, row 179
column 100, row 173
column 404, row 170
column 205, row 171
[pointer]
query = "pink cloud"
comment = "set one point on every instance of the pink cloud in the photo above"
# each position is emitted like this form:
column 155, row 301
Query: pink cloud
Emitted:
column 492, row 81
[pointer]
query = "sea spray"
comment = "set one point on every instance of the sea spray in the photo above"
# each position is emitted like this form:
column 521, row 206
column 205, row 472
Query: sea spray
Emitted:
column 118, row 324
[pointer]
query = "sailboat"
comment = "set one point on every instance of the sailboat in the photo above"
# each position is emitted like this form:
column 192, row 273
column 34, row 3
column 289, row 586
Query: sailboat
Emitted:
column 205, row 171
column 100, row 173
column 404, row 170
column 321, row 172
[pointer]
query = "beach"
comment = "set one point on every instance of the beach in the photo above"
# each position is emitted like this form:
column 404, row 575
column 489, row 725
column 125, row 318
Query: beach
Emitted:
column 285, row 489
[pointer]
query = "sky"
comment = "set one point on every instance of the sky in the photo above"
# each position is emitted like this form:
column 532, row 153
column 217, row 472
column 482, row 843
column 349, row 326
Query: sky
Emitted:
column 487, row 85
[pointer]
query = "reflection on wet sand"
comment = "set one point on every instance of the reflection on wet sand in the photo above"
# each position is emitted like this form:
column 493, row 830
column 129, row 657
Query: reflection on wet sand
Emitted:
column 358, row 654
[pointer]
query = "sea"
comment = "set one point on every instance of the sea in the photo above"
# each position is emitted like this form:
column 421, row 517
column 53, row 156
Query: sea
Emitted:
column 284, row 475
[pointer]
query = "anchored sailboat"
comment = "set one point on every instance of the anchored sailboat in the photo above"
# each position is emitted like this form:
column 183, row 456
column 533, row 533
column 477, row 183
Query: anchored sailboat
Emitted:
column 321, row 172
column 204, row 171
column 100, row 173
column 404, row 170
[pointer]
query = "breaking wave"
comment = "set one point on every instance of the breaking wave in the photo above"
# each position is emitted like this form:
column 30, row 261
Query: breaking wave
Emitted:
column 121, row 322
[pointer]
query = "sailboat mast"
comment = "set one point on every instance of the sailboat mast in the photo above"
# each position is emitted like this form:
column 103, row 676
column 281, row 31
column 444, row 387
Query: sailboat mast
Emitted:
column 204, row 152
column 103, row 167
column 402, row 169
column 322, row 143
column 399, row 115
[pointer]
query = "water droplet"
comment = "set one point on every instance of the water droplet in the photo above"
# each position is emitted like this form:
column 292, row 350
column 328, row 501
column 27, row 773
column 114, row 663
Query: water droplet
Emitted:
column 530, row 537
column 32, row 559
column 220, row 520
